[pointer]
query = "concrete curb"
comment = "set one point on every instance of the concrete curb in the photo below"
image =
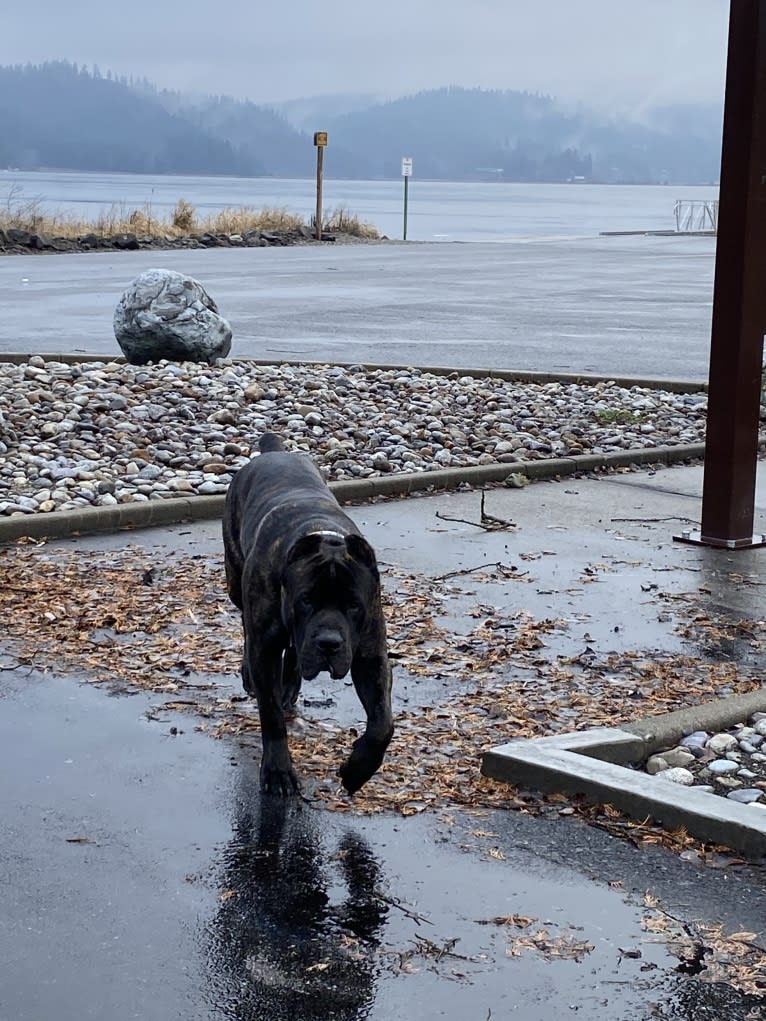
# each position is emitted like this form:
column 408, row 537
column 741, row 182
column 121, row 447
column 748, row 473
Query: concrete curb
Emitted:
column 87, row 520
column 511, row 375
column 657, row 233
column 62, row 524
column 592, row 763
column 665, row 731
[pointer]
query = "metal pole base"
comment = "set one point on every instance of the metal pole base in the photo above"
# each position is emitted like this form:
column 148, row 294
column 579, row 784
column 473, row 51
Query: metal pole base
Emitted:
column 694, row 537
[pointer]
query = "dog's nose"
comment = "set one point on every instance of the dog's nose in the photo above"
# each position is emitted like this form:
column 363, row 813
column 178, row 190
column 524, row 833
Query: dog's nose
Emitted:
column 330, row 642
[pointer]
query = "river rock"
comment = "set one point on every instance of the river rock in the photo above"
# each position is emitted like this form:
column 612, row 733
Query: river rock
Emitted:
column 167, row 315
column 8, row 435
column 746, row 796
column 719, row 744
column 656, row 764
column 722, row 766
column 696, row 742
column 677, row 775
column 678, row 757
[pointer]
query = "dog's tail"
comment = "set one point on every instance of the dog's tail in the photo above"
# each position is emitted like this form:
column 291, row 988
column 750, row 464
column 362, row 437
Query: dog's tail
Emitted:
column 270, row 442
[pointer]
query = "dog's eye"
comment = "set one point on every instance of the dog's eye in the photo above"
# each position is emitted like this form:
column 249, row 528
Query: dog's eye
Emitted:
column 304, row 602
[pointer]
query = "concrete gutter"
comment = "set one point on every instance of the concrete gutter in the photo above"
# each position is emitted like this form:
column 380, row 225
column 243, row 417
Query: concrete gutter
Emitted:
column 593, row 763
column 146, row 514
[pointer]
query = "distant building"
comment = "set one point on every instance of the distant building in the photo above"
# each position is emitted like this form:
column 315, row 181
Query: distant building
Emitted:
column 491, row 173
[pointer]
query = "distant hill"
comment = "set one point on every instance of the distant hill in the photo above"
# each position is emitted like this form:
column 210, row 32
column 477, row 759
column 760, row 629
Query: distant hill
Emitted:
column 311, row 113
column 58, row 115
column 261, row 136
column 458, row 133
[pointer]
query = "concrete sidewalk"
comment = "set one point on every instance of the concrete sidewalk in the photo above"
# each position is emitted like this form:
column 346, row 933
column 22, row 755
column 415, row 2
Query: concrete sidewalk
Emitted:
column 143, row 877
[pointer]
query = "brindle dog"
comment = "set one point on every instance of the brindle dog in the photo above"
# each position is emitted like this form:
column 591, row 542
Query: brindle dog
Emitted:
column 308, row 587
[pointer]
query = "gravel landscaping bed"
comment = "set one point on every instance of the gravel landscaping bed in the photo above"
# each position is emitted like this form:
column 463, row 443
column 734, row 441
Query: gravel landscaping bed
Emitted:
column 101, row 433
column 731, row 764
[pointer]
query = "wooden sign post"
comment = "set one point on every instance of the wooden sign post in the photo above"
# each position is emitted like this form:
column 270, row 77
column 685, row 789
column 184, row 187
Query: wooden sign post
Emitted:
column 320, row 141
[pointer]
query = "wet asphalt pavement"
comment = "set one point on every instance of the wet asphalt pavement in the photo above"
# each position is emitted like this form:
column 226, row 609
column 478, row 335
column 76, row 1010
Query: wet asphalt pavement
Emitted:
column 143, row 876
column 628, row 306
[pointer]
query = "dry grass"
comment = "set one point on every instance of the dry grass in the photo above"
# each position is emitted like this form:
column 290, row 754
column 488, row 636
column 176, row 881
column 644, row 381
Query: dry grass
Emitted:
column 183, row 216
column 236, row 220
column 27, row 214
column 341, row 221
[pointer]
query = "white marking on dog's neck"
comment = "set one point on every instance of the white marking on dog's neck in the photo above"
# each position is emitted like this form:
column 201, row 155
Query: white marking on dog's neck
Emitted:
column 280, row 507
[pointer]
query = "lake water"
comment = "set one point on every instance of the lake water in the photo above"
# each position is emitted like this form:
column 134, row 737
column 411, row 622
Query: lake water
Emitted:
column 438, row 210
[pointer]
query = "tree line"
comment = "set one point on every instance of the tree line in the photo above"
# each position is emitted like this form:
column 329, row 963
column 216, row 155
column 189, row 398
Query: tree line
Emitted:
column 60, row 115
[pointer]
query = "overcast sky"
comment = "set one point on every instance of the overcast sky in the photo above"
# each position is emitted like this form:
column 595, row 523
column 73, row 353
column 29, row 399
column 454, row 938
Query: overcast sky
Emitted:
column 623, row 54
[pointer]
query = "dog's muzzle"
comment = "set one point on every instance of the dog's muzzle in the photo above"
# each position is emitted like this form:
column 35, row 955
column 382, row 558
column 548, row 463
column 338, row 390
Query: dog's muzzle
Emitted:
column 327, row 652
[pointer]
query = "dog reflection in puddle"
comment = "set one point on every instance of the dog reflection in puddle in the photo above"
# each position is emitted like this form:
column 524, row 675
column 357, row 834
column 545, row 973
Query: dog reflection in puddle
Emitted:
column 298, row 926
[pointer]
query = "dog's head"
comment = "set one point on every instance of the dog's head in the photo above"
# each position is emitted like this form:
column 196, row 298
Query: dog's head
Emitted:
column 330, row 584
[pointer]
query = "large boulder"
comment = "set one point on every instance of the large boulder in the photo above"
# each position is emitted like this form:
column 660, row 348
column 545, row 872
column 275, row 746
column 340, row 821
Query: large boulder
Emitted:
column 164, row 314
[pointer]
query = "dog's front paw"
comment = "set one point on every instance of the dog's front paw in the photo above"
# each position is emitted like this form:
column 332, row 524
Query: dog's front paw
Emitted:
column 283, row 783
column 278, row 776
column 364, row 760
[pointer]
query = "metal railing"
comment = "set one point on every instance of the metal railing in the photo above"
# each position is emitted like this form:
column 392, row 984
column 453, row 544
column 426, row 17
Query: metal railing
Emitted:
column 696, row 215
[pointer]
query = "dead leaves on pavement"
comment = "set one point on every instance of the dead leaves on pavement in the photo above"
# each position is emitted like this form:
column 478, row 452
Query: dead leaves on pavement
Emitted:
column 708, row 952
column 168, row 627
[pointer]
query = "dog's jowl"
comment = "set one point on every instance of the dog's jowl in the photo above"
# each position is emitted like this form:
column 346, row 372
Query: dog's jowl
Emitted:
column 307, row 584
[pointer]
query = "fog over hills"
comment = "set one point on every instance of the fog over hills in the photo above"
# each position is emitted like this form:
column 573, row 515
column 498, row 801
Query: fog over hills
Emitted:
column 618, row 56
column 59, row 115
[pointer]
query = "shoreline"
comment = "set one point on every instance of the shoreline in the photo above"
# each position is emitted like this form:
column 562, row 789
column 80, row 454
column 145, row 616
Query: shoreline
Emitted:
column 19, row 241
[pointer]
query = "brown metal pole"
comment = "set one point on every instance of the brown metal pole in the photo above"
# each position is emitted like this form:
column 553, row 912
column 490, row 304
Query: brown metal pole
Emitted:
column 739, row 299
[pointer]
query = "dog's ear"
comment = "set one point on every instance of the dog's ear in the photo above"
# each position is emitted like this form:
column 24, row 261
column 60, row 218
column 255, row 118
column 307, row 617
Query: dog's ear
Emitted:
column 360, row 550
column 306, row 546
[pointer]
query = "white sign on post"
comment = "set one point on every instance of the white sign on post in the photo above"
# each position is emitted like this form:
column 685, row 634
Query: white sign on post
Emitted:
column 406, row 166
